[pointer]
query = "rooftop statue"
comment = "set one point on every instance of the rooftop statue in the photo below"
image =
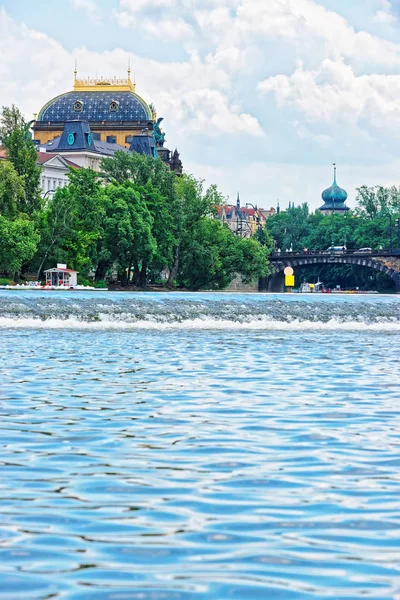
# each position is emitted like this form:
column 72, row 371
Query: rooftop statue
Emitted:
column 27, row 131
column 158, row 136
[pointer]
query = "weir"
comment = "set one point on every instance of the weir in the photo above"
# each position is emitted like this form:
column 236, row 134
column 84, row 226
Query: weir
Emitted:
column 197, row 311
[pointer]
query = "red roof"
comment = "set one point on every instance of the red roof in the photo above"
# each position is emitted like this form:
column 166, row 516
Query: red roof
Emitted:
column 72, row 164
column 248, row 211
column 54, row 269
column 226, row 208
column 43, row 157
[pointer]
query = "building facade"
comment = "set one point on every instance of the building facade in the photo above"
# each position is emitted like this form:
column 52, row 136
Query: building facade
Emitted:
column 243, row 220
column 54, row 172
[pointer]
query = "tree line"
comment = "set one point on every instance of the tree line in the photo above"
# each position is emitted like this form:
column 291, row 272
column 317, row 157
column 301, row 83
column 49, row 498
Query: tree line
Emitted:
column 371, row 224
column 135, row 219
column 138, row 221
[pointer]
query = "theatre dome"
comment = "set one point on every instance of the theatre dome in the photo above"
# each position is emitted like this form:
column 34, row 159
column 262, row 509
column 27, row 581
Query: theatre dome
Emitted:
column 96, row 106
column 112, row 108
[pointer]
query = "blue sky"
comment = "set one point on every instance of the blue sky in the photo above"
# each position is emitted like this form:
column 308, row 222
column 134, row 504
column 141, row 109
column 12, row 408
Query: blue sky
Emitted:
column 259, row 96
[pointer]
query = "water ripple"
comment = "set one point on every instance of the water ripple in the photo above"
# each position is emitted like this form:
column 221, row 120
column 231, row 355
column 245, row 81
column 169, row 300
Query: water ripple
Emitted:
column 200, row 465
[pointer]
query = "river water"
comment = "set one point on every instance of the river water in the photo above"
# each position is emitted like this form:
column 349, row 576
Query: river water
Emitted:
column 199, row 447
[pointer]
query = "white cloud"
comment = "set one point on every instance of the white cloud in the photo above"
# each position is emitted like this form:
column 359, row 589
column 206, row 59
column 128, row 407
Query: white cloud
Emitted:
column 384, row 14
column 334, row 94
column 89, row 7
column 263, row 92
column 307, row 26
column 209, row 111
column 172, row 30
column 189, row 93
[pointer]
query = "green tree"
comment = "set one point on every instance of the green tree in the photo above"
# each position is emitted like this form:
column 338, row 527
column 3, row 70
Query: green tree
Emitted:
column 11, row 119
column 155, row 184
column 377, row 201
column 21, row 152
column 162, row 231
column 56, row 224
column 140, row 169
column 18, row 243
column 89, row 203
column 12, row 191
column 213, row 255
column 290, row 228
column 72, row 224
column 191, row 204
column 128, row 231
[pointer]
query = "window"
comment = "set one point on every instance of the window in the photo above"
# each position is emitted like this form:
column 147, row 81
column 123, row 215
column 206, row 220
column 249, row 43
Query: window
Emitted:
column 78, row 106
column 111, row 139
column 114, row 106
column 129, row 139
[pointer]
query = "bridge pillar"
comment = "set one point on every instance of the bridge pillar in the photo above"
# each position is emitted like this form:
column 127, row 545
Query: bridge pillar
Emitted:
column 274, row 283
column 396, row 279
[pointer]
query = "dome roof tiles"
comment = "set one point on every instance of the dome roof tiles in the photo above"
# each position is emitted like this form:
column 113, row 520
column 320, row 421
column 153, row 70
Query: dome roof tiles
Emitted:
column 96, row 106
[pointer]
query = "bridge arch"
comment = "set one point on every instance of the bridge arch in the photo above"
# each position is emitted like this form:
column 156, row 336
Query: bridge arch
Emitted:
column 275, row 281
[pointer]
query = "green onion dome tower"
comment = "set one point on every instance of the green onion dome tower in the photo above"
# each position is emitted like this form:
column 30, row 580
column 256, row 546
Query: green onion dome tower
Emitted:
column 334, row 198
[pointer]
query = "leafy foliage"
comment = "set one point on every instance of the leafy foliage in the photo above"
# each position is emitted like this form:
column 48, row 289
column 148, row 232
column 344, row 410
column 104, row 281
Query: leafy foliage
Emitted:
column 12, row 192
column 212, row 256
column 18, row 242
column 71, row 225
column 21, row 152
column 128, row 230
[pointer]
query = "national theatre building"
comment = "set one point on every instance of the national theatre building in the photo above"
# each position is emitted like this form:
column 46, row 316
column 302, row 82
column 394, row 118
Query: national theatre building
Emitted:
column 99, row 117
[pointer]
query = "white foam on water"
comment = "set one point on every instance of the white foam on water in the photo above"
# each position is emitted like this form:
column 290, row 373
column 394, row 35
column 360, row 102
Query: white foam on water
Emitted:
column 206, row 323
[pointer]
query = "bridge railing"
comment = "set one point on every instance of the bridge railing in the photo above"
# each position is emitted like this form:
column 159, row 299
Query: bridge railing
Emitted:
column 337, row 253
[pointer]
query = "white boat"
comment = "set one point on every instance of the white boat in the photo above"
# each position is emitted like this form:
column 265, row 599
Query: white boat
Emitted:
column 310, row 288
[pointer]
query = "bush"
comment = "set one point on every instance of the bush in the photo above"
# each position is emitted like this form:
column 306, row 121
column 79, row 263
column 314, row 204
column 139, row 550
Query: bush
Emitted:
column 83, row 281
column 100, row 284
column 5, row 281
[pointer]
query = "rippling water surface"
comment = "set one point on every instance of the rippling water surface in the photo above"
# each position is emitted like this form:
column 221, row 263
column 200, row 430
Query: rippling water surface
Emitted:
column 199, row 447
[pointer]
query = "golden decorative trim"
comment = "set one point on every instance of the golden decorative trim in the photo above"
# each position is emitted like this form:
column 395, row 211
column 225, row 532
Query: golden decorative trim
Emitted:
column 104, row 85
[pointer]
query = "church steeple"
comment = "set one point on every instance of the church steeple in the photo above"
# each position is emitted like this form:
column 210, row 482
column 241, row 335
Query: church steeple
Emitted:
column 334, row 197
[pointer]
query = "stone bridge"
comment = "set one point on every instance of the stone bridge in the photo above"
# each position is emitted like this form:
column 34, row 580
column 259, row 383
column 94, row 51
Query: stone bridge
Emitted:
column 385, row 261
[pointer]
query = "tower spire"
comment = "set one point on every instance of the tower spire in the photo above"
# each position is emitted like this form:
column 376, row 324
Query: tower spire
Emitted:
column 129, row 68
column 238, row 201
column 334, row 174
column 76, row 70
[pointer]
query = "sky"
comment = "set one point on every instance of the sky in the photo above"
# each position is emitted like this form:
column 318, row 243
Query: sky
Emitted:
column 259, row 96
